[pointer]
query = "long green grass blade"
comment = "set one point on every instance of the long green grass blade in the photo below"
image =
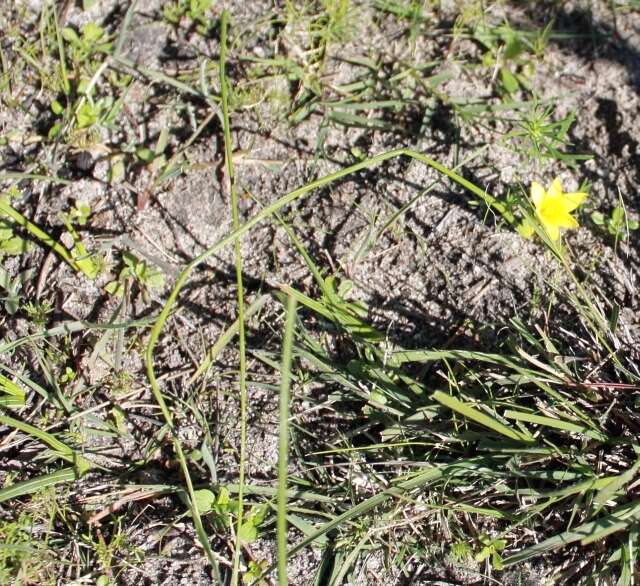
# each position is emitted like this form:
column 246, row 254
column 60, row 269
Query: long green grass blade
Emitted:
column 482, row 418
column 15, row 396
column 235, row 217
column 61, row 449
column 37, row 232
column 617, row 484
column 554, row 423
column 619, row 520
column 283, row 441
column 35, row 484
column 336, row 314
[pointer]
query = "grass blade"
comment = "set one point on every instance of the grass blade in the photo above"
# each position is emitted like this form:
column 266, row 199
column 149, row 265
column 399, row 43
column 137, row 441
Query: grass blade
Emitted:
column 283, row 442
column 35, row 484
column 15, row 395
column 37, row 232
column 482, row 418
column 235, row 216
column 62, row 450
column 586, row 533
column 554, row 423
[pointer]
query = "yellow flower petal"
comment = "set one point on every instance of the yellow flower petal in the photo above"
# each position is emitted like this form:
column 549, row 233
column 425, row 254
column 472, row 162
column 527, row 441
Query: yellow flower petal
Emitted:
column 570, row 201
column 565, row 221
column 551, row 210
column 556, row 188
column 537, row 193
column 553, row 207
column 553, row 231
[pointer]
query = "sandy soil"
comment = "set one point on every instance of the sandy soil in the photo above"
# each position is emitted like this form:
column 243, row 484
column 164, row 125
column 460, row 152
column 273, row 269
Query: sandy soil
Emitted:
column 446, row 273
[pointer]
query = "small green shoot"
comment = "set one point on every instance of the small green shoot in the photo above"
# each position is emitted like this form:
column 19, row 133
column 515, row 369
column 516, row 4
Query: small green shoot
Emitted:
column 492, row 549
column 617, row 224
column 195, row 11
column 90, row 264
column 135, row 270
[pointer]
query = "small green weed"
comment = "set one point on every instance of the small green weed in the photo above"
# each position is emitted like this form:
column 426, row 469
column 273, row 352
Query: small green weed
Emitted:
column 195, row 11
column 491, row 550
column 24, row 556
column 617, row 224
column 136, row 271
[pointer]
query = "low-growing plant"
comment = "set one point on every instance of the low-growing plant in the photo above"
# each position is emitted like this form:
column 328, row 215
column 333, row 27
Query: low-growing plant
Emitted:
column 91, row 264
column 196, row 11
column 137, row 271
column 617, row 224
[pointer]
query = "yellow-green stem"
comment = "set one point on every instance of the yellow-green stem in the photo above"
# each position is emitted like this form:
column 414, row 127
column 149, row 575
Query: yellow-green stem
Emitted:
column 283, row 443
column 18, row 218
column 235, row 217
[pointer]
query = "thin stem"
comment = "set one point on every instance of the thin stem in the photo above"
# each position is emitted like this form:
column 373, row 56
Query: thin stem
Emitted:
column 283, row 442
column 18, row 218
column 235, row 216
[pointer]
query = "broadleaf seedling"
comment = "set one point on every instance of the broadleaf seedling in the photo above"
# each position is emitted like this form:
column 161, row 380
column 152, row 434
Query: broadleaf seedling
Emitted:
column 135, row 270
column 617, row 224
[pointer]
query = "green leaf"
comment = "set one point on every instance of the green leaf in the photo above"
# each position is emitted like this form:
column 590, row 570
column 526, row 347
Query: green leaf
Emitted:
column 512, row 49
column 224, row 497
column 496, row 561
column 483, row 554
column 488, row 60
column 617, row 215
column 56, row 107
column 36, row 484
column 54, row 131
column 248, row 532
column 145, row 154
column 14, row 246
column 499, row 544
column 205, row 499
column 155, row 279
column 87, row 115
column 91, row 32
column 81, row 212
column 509, row 81
column 120, row 420
column 117, row 169
column 525, row 229
column 115, row 288
column 84, row 261
column 483, row 419
column 69, row 35
column 88, row 267
column 6, row 231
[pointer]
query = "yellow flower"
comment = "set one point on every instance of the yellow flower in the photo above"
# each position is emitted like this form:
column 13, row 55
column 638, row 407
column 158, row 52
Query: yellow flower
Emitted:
column 553, row 207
